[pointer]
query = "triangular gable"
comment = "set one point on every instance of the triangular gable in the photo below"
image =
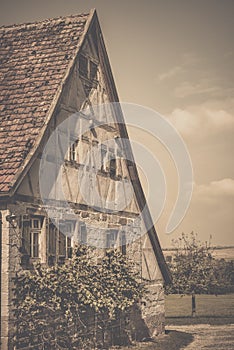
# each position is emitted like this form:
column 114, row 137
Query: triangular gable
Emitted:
column 65, row 103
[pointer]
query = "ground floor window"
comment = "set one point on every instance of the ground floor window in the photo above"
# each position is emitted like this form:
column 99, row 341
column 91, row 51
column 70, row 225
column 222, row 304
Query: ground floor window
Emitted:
column 111, row 238
column 31, row 230
column 65, row 243
column 116, row 239
column 123, row 243
column 34, row 244
column 83, row 233
column 52, row 239
column 57, row 242
column 68, row 248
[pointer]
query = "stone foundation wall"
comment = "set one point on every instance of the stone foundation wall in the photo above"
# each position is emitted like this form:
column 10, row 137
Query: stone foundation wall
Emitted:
column 153, row 309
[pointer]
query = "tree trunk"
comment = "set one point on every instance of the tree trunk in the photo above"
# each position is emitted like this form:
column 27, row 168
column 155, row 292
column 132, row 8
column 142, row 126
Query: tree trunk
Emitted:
column 193, row 304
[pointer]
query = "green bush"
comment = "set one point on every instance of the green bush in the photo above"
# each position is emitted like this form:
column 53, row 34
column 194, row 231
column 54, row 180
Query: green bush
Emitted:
column 53, row 303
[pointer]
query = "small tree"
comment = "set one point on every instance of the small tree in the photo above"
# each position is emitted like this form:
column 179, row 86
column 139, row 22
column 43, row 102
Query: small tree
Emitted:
column 193, row 268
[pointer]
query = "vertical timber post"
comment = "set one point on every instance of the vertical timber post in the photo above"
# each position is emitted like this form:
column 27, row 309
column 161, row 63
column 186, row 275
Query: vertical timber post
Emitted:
column 193, row 304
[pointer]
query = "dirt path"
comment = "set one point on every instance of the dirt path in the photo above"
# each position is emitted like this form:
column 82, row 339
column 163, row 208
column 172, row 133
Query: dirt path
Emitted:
column 208, row 337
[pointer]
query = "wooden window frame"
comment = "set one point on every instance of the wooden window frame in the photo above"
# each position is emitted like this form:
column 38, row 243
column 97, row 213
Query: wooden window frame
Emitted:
column 66, row 235
column 123, row 245
column 114, row 233
column 31, row 234
column 72, row 154
column 103, row 158
column 34, row 244
column 88, row 68
column 83, row 233
column 83, row 66
column 52, row 240
column 113, row 165
column 35, row 231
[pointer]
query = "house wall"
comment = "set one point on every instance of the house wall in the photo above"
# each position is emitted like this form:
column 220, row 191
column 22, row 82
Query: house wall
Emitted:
column 5, row 265
column 27, row 202
column 10, row 265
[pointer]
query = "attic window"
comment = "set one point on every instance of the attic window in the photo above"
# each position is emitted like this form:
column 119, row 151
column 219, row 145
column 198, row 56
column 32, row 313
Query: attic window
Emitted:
column 72, row 154
column 103, row 158
column 83, row 66
column 87, row 68
column 93, row 70
column 112, row 165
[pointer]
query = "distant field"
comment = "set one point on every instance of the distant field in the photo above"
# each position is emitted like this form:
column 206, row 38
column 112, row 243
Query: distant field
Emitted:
column 212, row 326
column 207, row 305
column 210, row 309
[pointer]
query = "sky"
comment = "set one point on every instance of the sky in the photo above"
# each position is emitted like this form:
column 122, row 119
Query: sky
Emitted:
column 175, row 57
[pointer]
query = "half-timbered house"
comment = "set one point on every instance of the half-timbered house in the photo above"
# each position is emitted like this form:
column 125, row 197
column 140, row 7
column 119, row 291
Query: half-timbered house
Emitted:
column 49, row 71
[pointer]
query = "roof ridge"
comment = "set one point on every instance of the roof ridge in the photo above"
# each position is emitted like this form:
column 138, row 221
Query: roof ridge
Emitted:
column 40, row 22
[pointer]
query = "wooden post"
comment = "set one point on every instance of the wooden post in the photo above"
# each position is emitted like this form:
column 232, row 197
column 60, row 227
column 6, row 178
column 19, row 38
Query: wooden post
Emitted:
column 193, row 304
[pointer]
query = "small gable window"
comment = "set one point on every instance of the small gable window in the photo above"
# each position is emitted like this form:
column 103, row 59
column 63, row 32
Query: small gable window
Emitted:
column 112, row 166
column 103, row 158
column 93, row 71
column 73, row 155
column 87, row 68
column 83, row 66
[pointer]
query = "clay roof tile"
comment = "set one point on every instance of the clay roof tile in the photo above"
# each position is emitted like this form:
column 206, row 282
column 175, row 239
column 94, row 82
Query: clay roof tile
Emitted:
column 29, row 53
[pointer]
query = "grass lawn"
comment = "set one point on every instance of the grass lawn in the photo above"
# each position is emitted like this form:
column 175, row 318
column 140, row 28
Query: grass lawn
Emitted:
column 210, row 309
column 172, row 340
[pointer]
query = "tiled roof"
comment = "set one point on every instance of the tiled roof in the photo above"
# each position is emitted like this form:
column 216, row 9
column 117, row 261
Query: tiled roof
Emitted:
column 34, row 58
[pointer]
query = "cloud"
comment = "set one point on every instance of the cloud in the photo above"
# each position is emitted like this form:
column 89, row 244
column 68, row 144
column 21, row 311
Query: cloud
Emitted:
column 201, row 120
column 215, row 189
column 184, row 121
column 171, row 73
column 219, row 118
column 191, row 58
column 187, row 60
column 186, row 89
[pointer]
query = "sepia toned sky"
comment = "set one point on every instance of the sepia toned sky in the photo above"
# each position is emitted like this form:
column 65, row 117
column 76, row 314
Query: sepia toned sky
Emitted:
column 176, row 57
